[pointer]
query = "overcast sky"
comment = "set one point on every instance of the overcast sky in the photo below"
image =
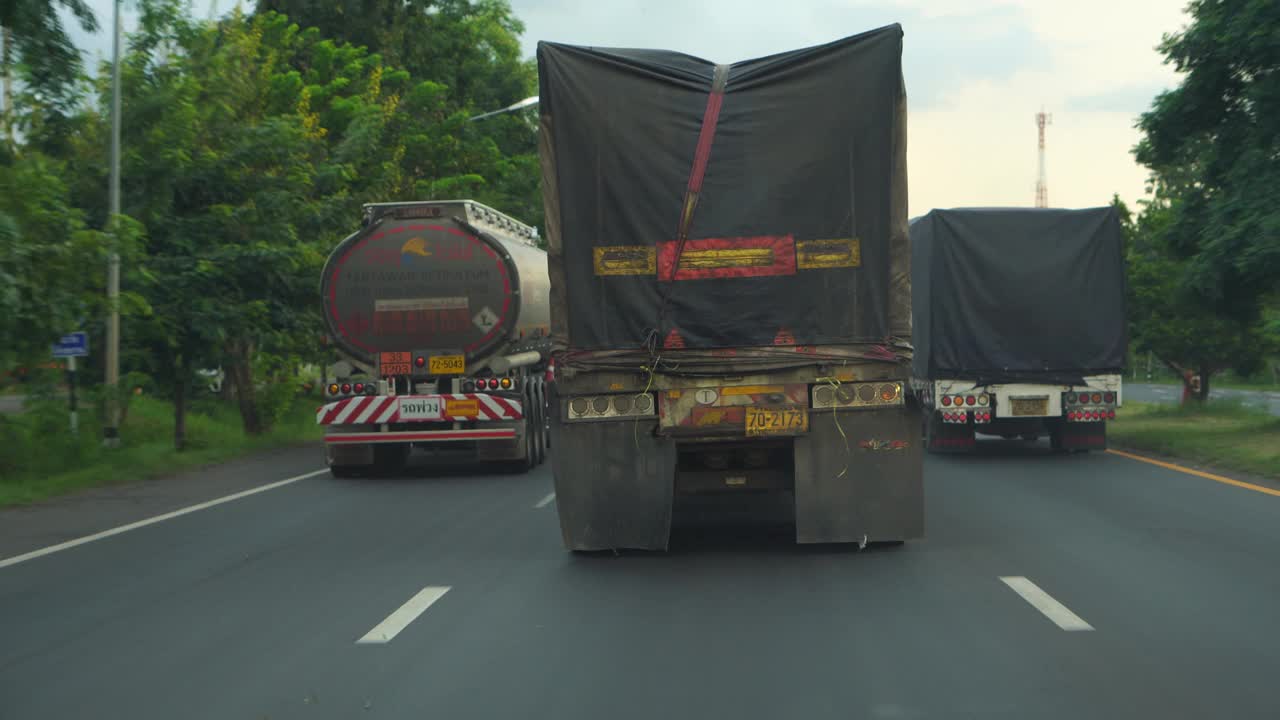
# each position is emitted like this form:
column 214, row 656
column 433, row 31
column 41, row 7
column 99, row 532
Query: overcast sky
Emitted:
column 977, row 71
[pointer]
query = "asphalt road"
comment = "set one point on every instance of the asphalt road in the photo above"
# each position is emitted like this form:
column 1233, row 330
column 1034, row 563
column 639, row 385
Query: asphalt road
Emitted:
column 1142, row 392
column 254, row 608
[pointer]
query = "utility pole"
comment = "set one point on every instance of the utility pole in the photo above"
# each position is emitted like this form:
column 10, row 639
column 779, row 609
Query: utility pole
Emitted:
column 111, row 424
column 7, row 51
column 1042, row 181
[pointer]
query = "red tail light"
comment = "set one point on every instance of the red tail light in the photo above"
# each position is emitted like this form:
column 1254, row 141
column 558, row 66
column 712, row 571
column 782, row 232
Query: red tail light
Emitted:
column 346, row 387
column 493, row 383
column 1111, row 414
column 420, row 361
column 359, row 387
column 946, row 400
column 971, row 400
column 1110, row 397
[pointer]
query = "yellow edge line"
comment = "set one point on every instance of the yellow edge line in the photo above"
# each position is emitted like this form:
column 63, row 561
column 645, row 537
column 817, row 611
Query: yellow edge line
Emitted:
column 1198, row 473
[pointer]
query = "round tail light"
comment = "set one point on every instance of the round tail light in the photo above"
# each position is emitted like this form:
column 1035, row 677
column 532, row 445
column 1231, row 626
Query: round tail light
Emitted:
column 359, row 387
column 333, row 389
column 1111, row 414
column 1110, row 397
column 506, row 383
column 971, row 400
column 346, row 387
column 1082, row 398
column 420, row 361
column 1097, row 397
column 493, row 383
column 946, row 401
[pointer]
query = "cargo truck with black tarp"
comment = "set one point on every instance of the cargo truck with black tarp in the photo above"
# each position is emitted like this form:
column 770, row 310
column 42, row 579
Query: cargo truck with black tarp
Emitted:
column 440, row 312
column 1020, row 324
column 730, row 284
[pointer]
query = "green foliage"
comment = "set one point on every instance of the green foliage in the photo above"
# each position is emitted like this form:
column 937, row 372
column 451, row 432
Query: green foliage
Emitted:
column 1224, row 434
column 51, row 263
column 1170, row 319
column 36, row 43
column 249, row 145
column 39, row 457
column 1212, row 145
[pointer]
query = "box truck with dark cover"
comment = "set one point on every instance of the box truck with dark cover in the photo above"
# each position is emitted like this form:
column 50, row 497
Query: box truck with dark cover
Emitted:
column 1020, row 324
column 440, row 312
column 730, row 287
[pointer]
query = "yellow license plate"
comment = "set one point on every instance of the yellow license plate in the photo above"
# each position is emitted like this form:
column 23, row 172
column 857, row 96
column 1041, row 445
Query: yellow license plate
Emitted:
column 777, row 421
column 1030, row 406
column 447, row 365
column 461, row 408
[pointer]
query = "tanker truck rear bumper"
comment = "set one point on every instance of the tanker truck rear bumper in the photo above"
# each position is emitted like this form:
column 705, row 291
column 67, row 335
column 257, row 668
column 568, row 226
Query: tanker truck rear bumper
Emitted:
column 365, row 431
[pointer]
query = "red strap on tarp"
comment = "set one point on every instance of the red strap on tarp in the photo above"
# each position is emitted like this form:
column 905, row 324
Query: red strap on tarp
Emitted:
column 701, row 156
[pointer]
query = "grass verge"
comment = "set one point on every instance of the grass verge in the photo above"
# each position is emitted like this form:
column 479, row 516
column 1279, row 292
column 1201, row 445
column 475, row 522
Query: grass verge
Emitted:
column 1224, row 434
column 1217, row 384
column 39, row 458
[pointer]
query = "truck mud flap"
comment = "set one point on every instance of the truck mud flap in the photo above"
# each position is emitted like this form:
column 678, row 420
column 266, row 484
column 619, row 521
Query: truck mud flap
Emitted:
column 1069, row 436
column 614, row 484
column 865, row 484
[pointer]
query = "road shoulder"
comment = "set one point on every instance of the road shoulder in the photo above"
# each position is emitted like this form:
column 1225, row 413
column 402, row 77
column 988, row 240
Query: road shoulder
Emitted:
column 49, row 522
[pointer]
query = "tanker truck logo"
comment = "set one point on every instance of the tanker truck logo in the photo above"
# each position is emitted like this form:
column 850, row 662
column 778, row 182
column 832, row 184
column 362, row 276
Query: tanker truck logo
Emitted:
column 413, row 252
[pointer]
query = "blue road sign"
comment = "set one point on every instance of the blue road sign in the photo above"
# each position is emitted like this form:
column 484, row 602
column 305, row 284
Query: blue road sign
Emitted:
column 74, row 345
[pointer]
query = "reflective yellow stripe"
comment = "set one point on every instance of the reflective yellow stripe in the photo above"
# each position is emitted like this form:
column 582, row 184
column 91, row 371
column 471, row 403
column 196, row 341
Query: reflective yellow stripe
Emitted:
column 726, row 258
column 626, row 260
column 817, row 254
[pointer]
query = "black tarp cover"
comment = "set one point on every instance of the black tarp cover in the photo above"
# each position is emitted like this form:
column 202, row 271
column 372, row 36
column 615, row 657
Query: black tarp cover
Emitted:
column 1018, row 293
column 794, row 164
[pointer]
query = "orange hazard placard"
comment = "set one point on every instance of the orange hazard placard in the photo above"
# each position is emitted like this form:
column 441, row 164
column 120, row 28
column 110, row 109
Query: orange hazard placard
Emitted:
column 394, row 364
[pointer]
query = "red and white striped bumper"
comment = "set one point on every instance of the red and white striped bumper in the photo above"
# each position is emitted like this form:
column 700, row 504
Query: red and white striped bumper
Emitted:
column 380, row 409
column 424, row 436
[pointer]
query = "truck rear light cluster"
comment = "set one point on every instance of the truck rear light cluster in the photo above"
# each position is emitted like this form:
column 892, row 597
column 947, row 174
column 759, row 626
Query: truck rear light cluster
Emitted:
column 482, row 384
column 1089, row 398
column 981, row 399
column 335, row 390
column 956, row 418
column 606, row 407
column 1093, row 415
column 857, row 395
column 1092, row 406
column 982, row 416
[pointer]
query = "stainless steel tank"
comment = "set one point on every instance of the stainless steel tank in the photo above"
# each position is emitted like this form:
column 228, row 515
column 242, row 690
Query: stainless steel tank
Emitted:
column 448, row 275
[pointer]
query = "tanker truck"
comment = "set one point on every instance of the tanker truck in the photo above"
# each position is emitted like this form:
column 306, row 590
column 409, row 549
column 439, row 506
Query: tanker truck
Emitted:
column 439, row 312
column 1020, row 325
column 731, row 300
